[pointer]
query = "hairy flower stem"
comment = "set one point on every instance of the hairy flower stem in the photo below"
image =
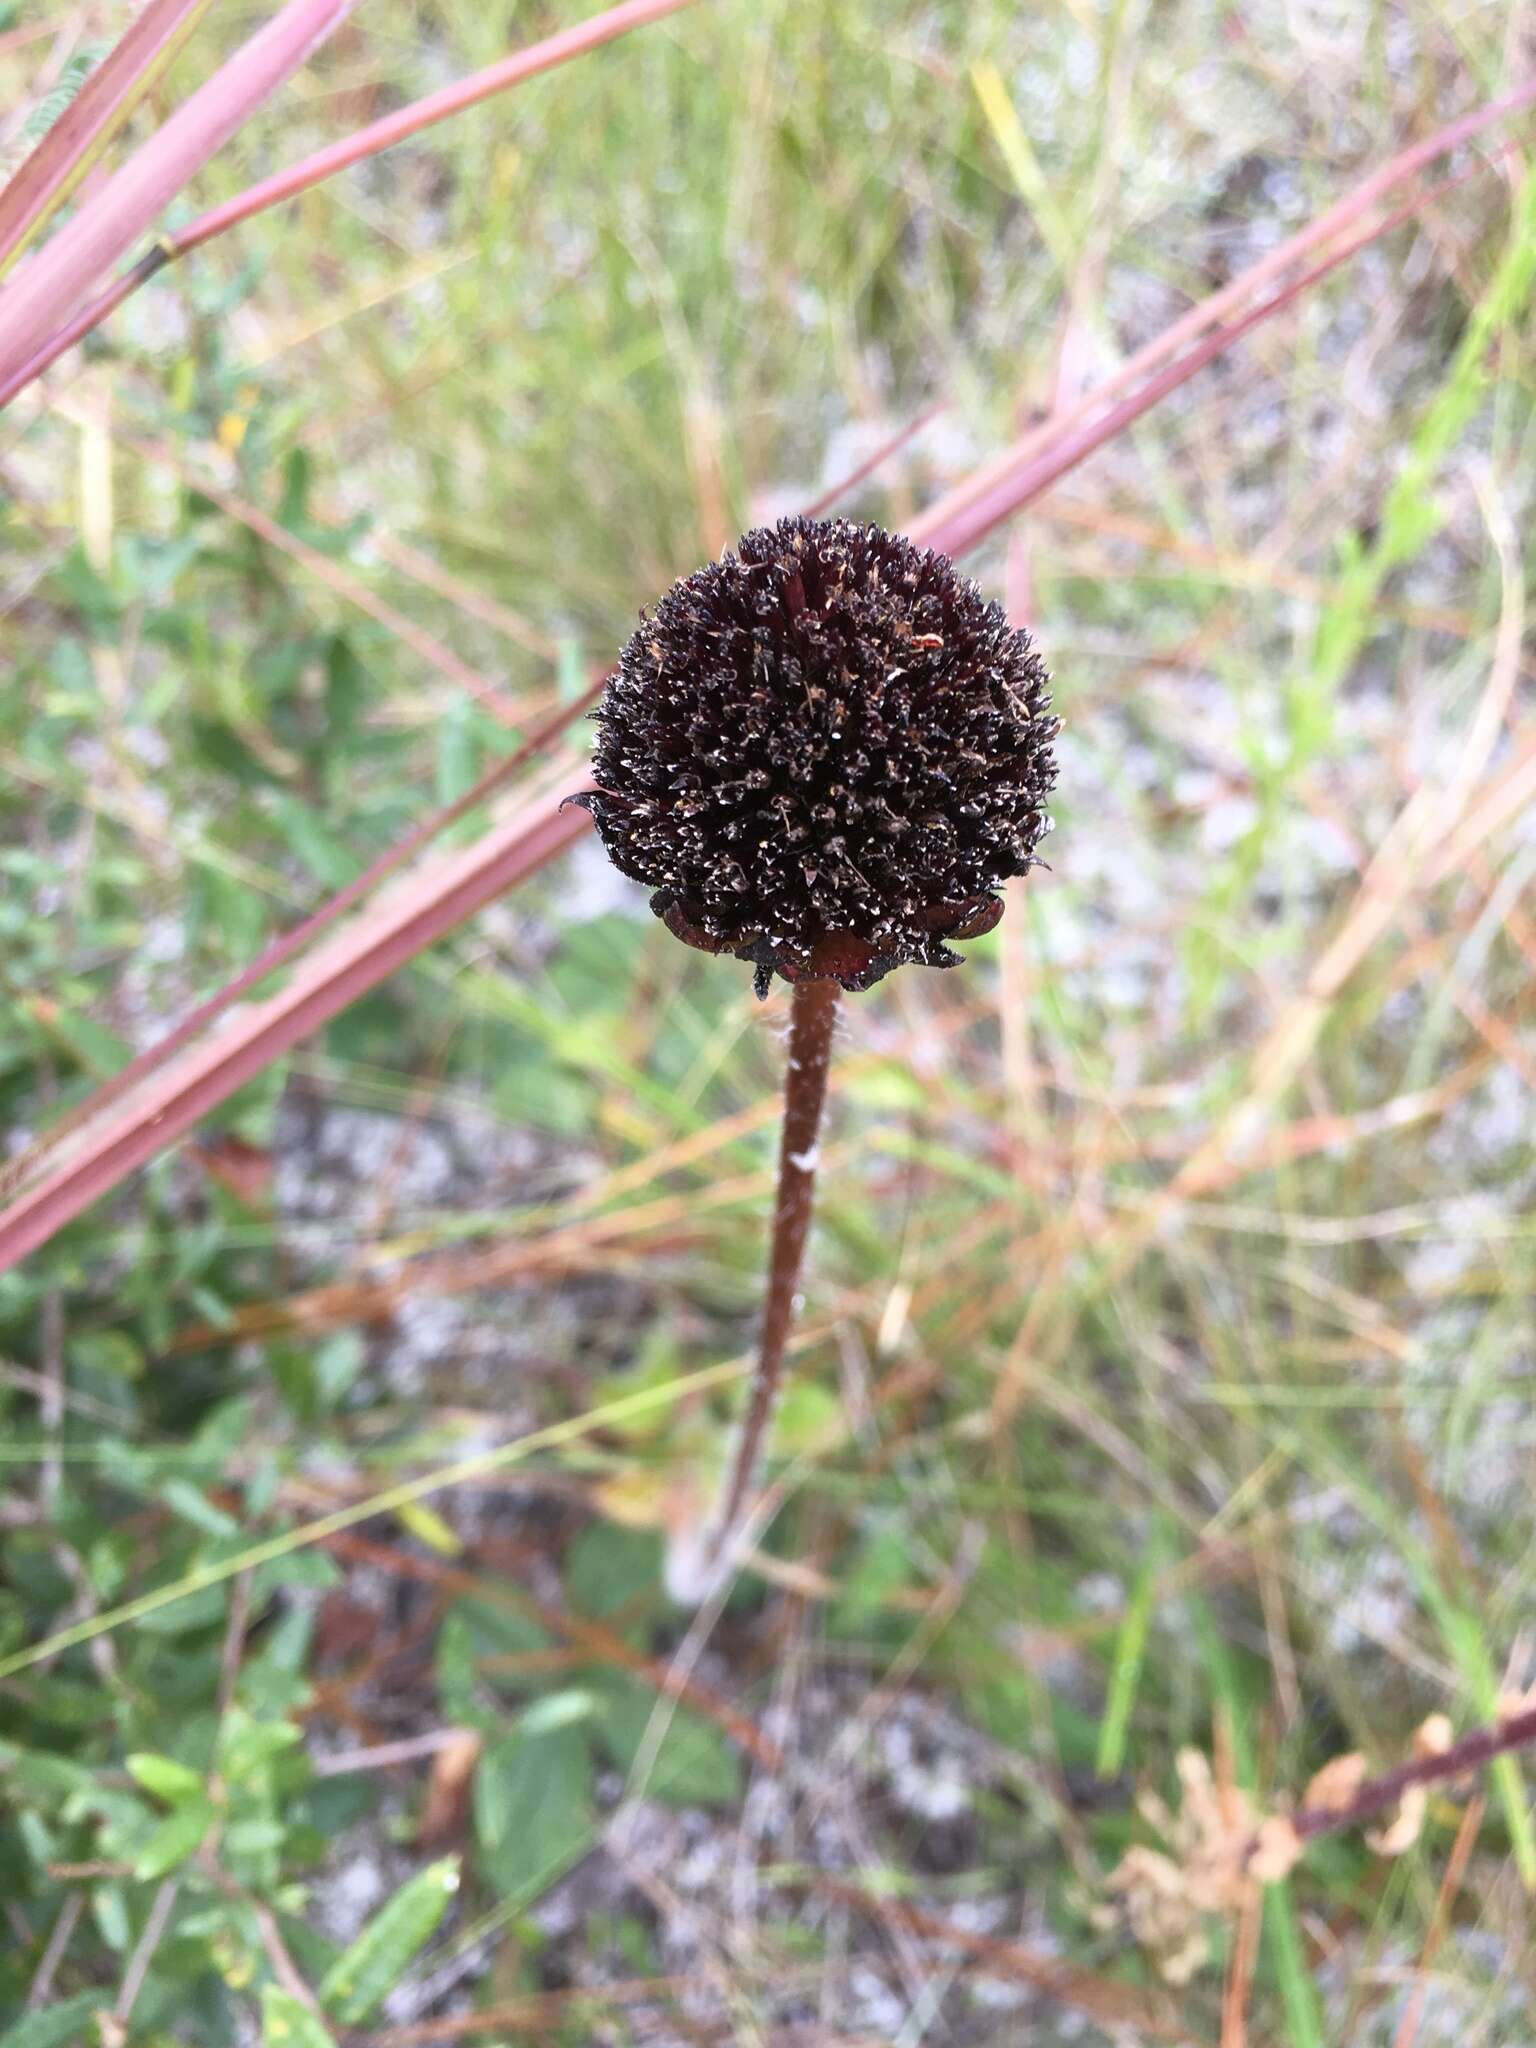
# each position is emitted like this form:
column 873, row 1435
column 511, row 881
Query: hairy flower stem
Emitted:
column 1516, row 1731
column 813, row 1016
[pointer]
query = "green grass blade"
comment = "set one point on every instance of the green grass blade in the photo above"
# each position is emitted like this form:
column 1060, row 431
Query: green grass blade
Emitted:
column 1287, row 1959
column 387, row 1502
column 1125, row 1672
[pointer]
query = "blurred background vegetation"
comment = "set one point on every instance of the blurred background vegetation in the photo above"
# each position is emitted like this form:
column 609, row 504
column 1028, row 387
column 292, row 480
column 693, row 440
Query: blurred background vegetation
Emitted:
column 1077, row 1473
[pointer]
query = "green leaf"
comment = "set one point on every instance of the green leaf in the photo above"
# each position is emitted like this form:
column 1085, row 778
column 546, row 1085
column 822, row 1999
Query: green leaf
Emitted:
column 98, row 1051
column 458, row 751
column 534, row 1090
column 429, row 1527
column 252, row 1838
column 571, row 668
column 293, row 508
column 370, row 1969
column 313, row 843
column 609, row 1568
column 558, row 1710
column 112, row 1352
column 285, row 2023
column 472, row 1630
column 248, row 1746
column 694, row 1764
column 346, row 691
column 193, row 1505
column 532, row 1808
column 882, row 1566
column 167, row 1780
column 57, row 2026
column 310, row 1568
column 591, row 974
column 177, row 1836
column 109, row 1909
column 37, row 1838
column 809, row 1420
column 189, row 1613
column 38, row 1776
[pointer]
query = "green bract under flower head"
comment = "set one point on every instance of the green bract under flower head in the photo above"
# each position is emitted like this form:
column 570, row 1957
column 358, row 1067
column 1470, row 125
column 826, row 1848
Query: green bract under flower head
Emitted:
column 824, row 754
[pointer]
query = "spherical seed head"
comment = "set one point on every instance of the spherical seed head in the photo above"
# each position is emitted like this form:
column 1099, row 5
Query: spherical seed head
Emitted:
column 824, row 753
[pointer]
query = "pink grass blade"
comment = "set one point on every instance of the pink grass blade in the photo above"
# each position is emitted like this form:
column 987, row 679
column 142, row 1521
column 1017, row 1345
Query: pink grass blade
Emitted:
column 325, row 163
column 60, row 274
column 389, row 934
column 1346, row 213
column 79, row 325
column 93, row 116
column 957, row 522
column 438, row 106
column 288, row 945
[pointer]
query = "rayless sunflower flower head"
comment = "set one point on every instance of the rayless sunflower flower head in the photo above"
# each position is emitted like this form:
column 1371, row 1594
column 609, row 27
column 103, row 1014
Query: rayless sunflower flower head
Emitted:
column 824, row 753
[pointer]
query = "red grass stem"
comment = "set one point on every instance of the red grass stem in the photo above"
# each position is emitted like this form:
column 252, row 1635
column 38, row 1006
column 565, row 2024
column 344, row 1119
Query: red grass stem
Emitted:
column 339, row 156
column 1515, row 1731
column 48, row 288
column 75, row 140
column 1355, row 207
column 874, row 460
column 80, row 324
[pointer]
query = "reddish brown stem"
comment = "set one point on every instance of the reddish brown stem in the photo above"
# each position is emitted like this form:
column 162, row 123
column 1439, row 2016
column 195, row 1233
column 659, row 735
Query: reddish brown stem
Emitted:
column 813, row 1017
column 1377, row 1794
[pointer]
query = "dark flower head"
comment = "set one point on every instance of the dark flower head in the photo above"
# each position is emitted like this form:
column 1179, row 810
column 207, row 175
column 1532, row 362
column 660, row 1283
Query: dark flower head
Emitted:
column 824, row 753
